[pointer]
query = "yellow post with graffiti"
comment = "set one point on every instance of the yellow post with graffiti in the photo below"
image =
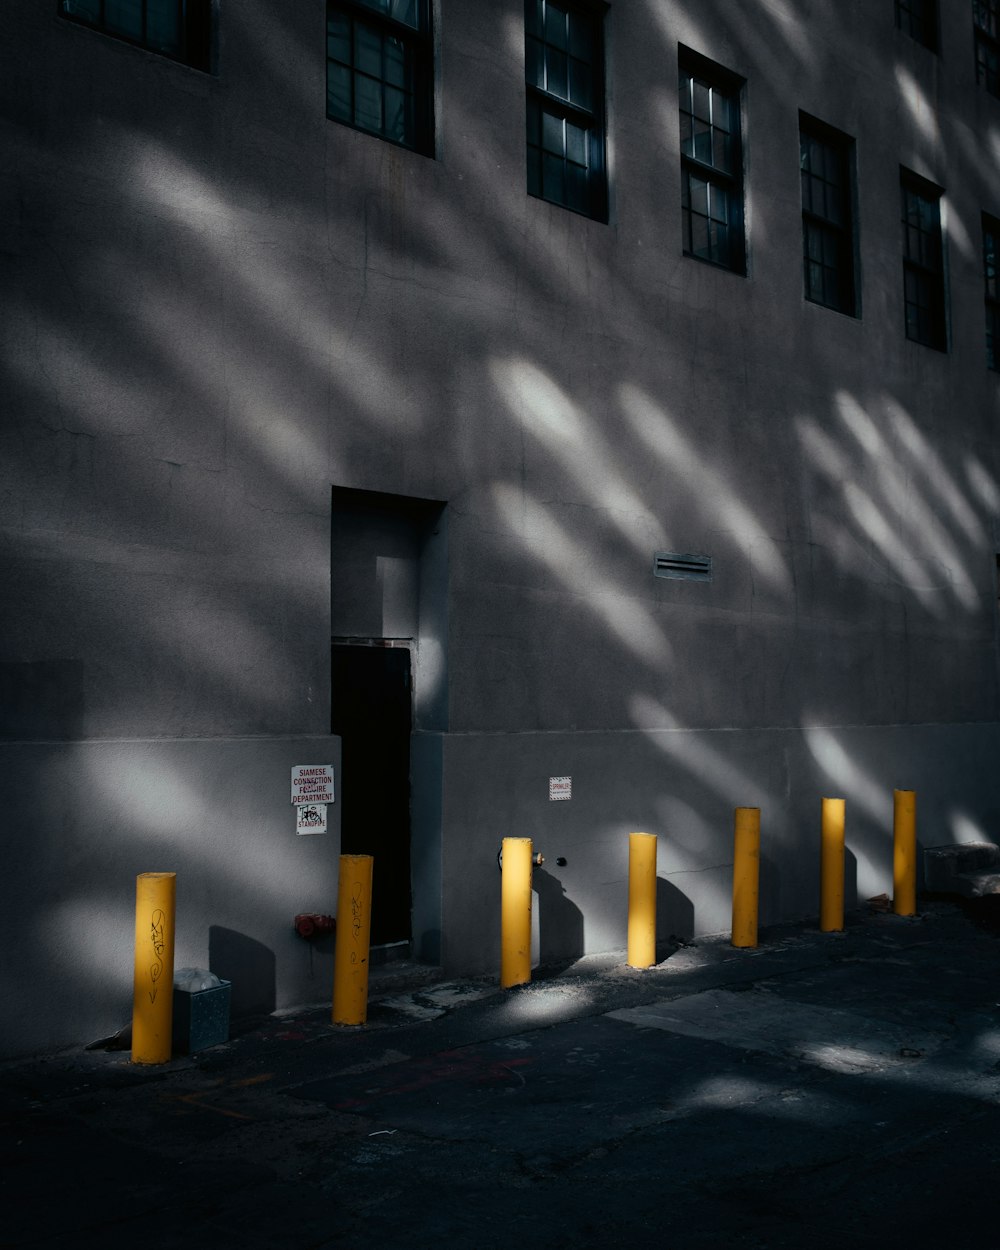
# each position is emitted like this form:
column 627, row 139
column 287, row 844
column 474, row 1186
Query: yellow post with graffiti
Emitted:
column 641, row 900
column 515, row 913
column 746, row 876
column 153, row 980
column 350, row 960
column 831, row 874
column 904, row 852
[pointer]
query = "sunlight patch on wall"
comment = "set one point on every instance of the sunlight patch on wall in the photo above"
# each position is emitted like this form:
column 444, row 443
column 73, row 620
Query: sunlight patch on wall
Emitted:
column 956, row 231
column 921, row 110
column 94, row 941
column 678, row 26
column 982, row 485
column 690, row 750
column 923, row 529
column 907, row 571
column 965, row 829
column 933, row 471
column 849, row 780
column 172, row 186
column 293, row 303
column 686, row 470
column 549, row 415
column 106, row 401
column 572, row 564
column 848, row 777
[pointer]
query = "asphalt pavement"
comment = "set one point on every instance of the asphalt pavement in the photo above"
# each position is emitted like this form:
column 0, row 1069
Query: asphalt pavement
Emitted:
column 820, row 1090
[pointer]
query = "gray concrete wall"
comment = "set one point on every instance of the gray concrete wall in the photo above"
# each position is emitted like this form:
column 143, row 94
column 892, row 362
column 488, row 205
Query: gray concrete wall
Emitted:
column 683, row 785
column 216, row 305
column 83, row 819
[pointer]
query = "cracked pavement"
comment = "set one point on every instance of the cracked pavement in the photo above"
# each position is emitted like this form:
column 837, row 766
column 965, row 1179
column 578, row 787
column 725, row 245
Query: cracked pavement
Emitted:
column 818, row 1089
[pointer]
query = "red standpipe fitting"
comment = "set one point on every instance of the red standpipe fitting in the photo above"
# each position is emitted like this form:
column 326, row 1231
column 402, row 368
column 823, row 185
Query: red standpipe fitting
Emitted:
column 310, row 924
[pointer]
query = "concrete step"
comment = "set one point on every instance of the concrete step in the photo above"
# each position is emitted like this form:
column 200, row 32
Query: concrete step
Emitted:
column 968, row 869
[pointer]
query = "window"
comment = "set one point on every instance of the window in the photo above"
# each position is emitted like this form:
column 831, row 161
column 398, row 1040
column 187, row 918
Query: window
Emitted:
column 991, row 275
column 827, row 219
column 711, row 164
column 380, row 69
column 919, row 19
column 564, row 73
column 923, row 262
column 179, row 29
column 985, row 15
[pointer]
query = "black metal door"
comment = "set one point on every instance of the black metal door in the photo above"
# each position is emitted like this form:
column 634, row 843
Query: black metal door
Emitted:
column 372, row 714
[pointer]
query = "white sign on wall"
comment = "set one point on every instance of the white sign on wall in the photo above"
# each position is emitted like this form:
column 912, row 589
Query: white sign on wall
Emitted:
column 312, row 783
column 560, row 788
column 310, row 818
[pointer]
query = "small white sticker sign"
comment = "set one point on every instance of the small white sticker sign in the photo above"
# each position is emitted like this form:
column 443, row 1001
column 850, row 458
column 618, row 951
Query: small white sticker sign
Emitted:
column 310, row 818
column 560, row 788
column 312, row 783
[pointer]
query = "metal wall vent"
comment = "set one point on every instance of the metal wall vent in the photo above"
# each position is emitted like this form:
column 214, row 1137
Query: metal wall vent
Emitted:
column 674, row 564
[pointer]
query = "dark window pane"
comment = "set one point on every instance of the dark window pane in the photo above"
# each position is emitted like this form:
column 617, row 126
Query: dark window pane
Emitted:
column 388, row 91
column 397, row 110
column 918, row 18
column 534, row 63
column 985, row 16
column 576, row 144
column 367, row 50
column 827, row 229
column 576, row 188
column 534, row 116
column 722, row 151
column 564, row 99
column 555, row 26
column 83, row 10
column 991, row 279
column 178, row 29
column 405, row 11
column 163, row 31
column 533, row 18
column 553, row 136
column 338, row 38
column 698, row 196
column 338, row 92
column 581, row 85
column 367, row 103
column 711, row 201
column 395, row 62
column 534, row 171
column 581, row 38
column 557, row 72
column 702, row 142
column 553, row 178
column 702, row 102
column 123, row 17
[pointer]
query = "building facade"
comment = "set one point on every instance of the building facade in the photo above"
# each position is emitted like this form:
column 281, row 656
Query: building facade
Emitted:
column 491, row 392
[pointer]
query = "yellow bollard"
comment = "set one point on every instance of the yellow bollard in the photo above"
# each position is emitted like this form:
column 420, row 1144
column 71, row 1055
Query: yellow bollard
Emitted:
column 153, row 979
column 350, row 958
column 746, row 876
column 831, row 868
column 515, row 913
column 904, row 852
column 641, row 900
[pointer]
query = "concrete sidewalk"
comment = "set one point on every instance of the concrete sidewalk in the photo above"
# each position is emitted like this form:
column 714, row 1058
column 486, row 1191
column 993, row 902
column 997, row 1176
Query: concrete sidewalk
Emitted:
column 819, row 1091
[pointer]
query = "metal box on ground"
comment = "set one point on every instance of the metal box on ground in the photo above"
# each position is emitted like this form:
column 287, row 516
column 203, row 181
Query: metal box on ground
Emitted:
column 201, row 1019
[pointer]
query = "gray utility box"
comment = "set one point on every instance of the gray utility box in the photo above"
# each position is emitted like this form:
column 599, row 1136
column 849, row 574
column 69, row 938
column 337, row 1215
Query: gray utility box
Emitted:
column 201, row 1019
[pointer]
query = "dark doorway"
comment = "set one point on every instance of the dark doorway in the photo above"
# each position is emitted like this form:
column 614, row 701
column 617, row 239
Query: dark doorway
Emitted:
column 372, row 713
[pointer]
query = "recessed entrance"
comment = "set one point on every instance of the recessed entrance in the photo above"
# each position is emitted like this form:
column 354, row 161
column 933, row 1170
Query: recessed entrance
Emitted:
column 372, row 713
column 388, row 614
